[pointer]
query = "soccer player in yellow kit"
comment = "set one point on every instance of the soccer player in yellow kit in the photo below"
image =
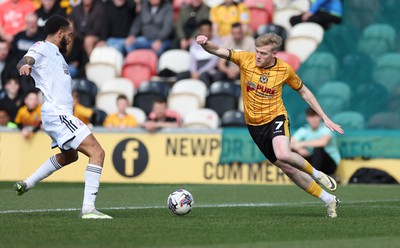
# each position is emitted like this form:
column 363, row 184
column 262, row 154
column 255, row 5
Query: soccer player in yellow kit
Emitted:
column 262, row 76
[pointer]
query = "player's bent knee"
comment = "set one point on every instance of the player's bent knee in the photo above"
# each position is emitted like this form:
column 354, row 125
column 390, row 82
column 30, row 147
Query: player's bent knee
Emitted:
column 283, row 157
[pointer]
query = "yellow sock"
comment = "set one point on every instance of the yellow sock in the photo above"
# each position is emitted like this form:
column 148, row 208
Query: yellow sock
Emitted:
column 308, row 168
column 314, row 190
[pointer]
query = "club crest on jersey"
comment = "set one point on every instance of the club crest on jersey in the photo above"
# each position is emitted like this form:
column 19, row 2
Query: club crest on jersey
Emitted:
column 65, row 68
column 263, row 79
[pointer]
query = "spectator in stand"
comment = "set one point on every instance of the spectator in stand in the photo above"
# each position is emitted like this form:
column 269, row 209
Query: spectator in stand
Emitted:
column 5, row 119
column 153, row 27
column 121, row 119
column 81, row 112
column 317, row 144
column 76, row 57
column 189, row 16
column 227, row 13
column 11, row 97
column 12, row 17
column 87, row 26
column 25, row 39
column 227, row 70
column 161, row 117
column 324, row 12
column 21, row 42
column 203, row 65
column 47, row 10
column 4, row 50
column 20, row 45
column 29, row 118
column 116, row 23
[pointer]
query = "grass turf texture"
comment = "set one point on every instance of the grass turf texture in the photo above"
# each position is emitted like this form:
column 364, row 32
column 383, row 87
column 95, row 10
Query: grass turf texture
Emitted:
column 223, row 216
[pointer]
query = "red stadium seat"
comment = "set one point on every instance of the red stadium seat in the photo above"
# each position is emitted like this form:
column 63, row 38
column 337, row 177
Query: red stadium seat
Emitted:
column 289, row 58
column 261, row 12
column 140, row 65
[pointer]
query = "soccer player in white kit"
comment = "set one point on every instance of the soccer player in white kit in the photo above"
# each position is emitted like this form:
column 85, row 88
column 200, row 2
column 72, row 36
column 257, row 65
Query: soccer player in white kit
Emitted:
column 45, row 63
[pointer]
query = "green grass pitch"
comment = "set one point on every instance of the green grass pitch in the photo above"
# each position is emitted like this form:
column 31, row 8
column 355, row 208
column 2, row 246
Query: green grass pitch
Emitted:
column 223, row 216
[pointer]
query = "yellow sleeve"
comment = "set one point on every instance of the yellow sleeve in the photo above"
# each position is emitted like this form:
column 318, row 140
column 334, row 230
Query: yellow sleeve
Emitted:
column 132, row 121
column 18, row 118
column 108, row 120
column 83, row 111
column 293, row 80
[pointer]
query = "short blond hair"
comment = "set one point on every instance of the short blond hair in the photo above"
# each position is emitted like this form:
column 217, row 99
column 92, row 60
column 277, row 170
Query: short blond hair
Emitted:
column 269, row 39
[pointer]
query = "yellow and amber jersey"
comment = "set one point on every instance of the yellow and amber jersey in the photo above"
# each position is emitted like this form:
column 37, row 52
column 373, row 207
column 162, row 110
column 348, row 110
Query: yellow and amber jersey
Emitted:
column 115, row 121
column 224, row 16
column 26, row 118
column 83, row 113
column 262, row 87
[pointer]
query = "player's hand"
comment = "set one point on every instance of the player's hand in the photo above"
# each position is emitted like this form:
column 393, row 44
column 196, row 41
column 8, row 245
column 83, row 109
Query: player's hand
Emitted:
column 25, row 70
column 202, row 40
column 333, row 126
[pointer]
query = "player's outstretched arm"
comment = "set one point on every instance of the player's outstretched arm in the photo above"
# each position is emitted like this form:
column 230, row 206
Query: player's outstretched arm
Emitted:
column 24, row 66
column 211, row 47
column 309, row 97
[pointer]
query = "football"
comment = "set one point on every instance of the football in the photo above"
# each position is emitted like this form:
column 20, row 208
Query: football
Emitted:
column 180, row 202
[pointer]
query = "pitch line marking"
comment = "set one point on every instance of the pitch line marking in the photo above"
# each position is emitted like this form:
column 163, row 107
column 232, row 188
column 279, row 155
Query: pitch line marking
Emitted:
column 196, row 206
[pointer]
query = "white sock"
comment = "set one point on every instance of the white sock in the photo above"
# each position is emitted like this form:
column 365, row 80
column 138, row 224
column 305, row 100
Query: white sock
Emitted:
column 326, row 197
column 45, row 170
column 92, row 183
column 316, row 173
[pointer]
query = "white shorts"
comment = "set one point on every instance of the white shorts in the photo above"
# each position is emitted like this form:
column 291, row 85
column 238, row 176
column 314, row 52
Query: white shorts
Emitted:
column 66, row 131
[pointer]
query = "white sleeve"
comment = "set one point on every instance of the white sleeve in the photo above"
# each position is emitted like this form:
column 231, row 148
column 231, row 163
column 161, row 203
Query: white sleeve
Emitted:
column 36, row 52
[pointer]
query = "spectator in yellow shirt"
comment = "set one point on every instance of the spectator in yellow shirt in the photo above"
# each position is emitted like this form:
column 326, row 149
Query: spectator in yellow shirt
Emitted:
column 120, row 119
column 28, row 116
column 81, row 112
column 227, row 13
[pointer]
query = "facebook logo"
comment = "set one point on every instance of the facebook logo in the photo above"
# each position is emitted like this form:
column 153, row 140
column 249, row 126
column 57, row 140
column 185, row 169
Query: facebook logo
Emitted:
column 130, row 157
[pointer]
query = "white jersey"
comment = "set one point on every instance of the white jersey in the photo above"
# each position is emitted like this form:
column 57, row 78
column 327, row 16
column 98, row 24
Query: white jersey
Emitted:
column 52, row 77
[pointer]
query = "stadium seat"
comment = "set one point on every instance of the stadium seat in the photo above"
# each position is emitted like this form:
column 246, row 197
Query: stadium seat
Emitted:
column 336, row 89
column 106, row 98
column 138, row 113
column 140, row 65
column 350, row 120
column 223, row 96
column 104, row 63
column 303, row 5
column 282, row 15
column 303, row 39
column 332, row 105
column 276, row 29
column 387, row 70
column 175, row 60
column 384, row 120
column 148, row 92
column 369, row 98
column 187, row 95
column 261, row 12
column 319, row 68
column 356, row 68
column 233, row 118
column 201, row 118
column 289, row 58
column 379, row 36
column 212, row 3
column 87, row 91
column 98, row 117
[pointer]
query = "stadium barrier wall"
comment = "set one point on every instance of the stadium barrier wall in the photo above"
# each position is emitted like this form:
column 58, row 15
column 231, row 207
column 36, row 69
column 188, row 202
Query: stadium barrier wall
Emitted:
column 175, row 156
